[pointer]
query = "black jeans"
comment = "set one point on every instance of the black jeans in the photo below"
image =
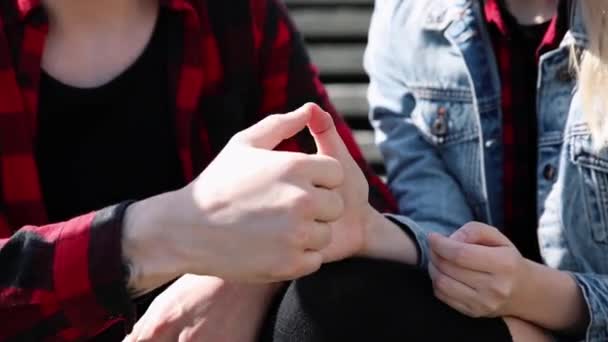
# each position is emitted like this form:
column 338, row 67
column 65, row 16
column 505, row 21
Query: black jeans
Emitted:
column 367, row 300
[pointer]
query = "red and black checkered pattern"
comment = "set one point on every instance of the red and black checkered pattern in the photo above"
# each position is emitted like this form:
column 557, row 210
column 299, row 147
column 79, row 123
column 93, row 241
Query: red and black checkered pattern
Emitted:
column 231, row 63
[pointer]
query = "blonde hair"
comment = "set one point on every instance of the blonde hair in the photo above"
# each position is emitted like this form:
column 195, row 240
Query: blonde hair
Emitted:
column 593, row 70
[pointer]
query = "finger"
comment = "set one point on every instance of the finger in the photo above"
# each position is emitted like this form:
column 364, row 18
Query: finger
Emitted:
column 273, row 129
column 311, row 261
column 454, row 304
column 326, row 206
column 473, row 279
column 473, row 257
column 324, row 171
column 482, row 234
column 319, row 236
column 323, row 130
column 451, row 287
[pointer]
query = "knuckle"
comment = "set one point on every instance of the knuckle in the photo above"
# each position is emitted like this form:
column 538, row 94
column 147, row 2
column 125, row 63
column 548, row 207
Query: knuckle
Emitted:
column 286, row 270
column 511, row 263
column 294, row 163
column 441, row 265
column 461, row 255
column 336, row 169
column 474, row 313
column 274, row 119
column 300, row 267
column 238, row 137
column 487, row 306
column 441, row 282
column 325, row 233
column 502, row 290
column 468, row 227
column 339, row 202
column 437, row 293
column 298, row 236
column 302, row 199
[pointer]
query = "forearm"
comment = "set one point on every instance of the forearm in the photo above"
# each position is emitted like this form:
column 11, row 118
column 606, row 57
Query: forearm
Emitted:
column 386, row 240
column 551, row 299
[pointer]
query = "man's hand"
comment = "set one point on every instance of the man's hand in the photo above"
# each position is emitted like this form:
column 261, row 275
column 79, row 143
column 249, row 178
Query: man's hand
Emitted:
column 201, row 308
column 254, row 215
column 349, row 231
column 478, row 271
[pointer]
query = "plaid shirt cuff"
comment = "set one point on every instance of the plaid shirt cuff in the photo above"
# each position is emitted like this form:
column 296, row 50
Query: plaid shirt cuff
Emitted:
column 90, row 274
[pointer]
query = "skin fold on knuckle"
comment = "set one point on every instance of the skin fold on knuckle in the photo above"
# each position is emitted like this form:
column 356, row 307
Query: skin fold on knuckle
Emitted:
column 443, row 283
column 462, row 255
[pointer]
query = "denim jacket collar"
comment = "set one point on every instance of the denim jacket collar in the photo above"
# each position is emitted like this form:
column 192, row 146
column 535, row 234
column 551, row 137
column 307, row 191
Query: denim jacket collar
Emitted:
column 444, row 13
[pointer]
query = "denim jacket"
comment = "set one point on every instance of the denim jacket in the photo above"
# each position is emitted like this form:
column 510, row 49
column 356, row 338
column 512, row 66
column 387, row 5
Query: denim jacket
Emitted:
column 436, row 108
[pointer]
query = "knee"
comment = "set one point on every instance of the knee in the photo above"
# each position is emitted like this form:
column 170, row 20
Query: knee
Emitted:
column 360, row 280
column 360, row 299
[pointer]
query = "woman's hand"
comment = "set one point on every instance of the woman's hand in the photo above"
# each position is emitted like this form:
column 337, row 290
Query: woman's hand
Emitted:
column 477, row 271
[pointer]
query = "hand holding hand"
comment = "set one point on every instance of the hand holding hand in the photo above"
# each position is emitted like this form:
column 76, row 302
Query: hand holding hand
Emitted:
column 350, row 229
column 477, row 271
column 254, row 215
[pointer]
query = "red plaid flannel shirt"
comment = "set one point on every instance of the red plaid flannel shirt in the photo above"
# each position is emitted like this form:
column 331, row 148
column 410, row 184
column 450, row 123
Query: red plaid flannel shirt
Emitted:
column 65, row 281
column 519, row 121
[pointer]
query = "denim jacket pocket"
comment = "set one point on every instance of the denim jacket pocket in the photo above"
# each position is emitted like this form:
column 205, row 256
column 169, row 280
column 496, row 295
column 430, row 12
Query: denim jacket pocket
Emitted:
column 448, row 120
column 593, row 169
column 445, row 117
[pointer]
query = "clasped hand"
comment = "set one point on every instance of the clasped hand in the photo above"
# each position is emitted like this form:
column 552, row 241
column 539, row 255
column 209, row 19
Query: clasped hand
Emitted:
column 477, row 271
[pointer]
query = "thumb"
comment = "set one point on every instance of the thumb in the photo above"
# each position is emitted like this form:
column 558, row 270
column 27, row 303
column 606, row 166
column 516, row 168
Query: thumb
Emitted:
column 273, row 129
column 323, row 130
column 480, row 234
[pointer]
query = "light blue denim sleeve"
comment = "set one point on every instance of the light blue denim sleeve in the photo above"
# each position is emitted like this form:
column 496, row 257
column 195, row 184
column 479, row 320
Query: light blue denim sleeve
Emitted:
column 595, row 290
column 428, row 196
column 566, row 247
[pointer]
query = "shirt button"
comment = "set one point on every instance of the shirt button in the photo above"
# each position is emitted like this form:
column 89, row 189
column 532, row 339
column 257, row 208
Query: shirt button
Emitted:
column 549, row 172
column 490, row 143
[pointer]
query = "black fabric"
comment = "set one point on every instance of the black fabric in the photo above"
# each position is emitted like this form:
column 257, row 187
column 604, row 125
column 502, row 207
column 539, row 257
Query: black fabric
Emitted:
column 526, row 40
column 240, row 91
column 97, row 147
column 367, row 300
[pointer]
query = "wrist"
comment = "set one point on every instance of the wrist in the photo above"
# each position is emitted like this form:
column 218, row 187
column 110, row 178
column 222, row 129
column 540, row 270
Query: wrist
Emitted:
column 372, row 227
column 384, row 239
column 525, row 288
column 144, row 244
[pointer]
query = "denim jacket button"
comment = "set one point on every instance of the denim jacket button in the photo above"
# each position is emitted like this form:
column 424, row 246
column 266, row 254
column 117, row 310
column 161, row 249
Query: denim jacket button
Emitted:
column 490, row 143
column 550, row 172
column 440, row 125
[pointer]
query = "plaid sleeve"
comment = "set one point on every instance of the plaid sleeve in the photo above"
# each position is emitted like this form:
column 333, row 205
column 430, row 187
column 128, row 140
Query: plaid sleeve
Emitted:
column 63, row 281
column 289, row 80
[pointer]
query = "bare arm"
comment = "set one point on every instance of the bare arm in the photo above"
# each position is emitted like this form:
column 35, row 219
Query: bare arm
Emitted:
column 386, row 240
